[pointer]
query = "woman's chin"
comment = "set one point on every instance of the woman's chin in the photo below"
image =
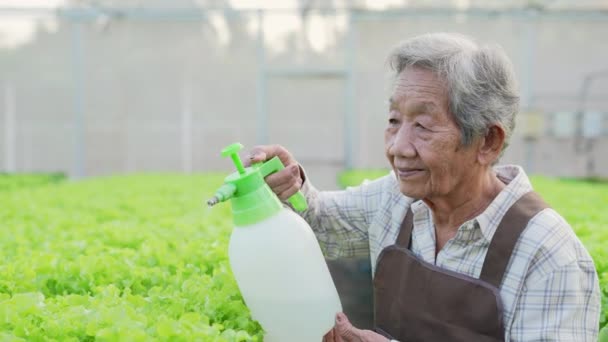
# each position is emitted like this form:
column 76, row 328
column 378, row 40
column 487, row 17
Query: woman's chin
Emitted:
column 410, row 191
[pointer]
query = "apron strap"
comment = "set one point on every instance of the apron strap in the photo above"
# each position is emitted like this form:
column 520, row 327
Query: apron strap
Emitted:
column 404, row 239
column 507, row 233
column 501, row 247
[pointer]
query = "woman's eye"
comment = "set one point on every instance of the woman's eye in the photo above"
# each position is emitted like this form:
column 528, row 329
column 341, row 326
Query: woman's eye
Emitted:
column 418, row 125
column 393, row 121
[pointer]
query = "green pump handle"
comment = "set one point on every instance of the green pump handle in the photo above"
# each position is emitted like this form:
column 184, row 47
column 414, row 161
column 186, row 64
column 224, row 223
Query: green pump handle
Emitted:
column 297, row 200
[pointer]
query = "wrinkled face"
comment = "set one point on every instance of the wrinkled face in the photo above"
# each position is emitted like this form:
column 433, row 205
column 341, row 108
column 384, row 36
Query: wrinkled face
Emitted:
column 422, row 141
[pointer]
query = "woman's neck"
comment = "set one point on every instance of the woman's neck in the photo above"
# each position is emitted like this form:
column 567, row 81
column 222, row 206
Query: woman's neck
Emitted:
column 466, row 202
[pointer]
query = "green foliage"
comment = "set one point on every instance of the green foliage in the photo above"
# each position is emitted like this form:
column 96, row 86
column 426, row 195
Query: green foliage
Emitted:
column 138, row 258
column 127, row 258
column 603, row 335
column 583, row 204
column 10, row 181
column 355, row 177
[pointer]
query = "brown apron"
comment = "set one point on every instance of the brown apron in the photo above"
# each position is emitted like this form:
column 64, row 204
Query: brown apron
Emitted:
column 418, row 301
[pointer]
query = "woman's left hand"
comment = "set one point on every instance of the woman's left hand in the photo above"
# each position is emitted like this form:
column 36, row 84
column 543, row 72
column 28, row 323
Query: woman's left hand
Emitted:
column 344, row 331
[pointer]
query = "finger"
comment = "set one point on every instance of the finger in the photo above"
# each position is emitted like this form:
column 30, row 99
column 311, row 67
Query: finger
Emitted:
column 329, row 337
column 284, row 188
column 288, row 175
column 371, row 336
column 290, row 191
column 256, row 155
column 261, row 153
column 282, row 180
column 284, row 155
column 337, row 337
column 345, row 329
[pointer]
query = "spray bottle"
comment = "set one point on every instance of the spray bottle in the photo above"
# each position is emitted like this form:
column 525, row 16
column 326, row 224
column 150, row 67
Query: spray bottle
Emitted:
column 275, row 257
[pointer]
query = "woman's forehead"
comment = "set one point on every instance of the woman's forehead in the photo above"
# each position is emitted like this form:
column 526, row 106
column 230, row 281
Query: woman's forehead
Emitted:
column 420, row 90
column 414, row 104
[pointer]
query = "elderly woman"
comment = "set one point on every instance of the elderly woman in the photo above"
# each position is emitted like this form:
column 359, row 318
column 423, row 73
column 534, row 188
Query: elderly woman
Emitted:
column 461, row 249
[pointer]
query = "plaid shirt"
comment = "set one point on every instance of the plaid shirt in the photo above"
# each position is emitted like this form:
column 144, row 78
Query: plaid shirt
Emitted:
column 550, row 290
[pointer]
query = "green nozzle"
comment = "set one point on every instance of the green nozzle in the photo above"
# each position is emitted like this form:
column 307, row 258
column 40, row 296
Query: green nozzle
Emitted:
column 252, row 200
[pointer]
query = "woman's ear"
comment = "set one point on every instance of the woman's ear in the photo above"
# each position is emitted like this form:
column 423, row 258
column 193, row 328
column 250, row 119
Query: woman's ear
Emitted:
column 491, row 145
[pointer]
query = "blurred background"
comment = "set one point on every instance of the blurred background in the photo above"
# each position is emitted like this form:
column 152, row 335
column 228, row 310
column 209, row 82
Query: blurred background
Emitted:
column 101, row 87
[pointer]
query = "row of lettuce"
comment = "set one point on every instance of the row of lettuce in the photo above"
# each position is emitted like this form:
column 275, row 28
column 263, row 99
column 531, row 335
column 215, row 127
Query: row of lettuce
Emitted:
column 132, row 258
column 140, row 257
column 11, row 181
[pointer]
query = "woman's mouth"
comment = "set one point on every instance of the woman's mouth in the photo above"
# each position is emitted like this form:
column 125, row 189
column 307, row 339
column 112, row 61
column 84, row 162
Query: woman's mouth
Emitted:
column 407, row 172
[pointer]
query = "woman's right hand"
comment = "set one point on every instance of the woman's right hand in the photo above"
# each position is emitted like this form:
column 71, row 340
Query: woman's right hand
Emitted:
column 344, row 331
column 283, row 183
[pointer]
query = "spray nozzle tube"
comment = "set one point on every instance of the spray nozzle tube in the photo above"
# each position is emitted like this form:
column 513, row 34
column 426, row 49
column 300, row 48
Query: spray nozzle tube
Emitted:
column 223, row 193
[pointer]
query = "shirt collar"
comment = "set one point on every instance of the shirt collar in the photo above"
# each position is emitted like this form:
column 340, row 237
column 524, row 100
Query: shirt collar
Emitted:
column 517, row 183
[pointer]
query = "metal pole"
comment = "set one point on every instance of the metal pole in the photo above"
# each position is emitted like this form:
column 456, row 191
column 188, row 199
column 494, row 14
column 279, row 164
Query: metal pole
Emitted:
column 10, row 128
column 350, row 117
column 529, row 53
column 79, row 119
column 261, row 106
column 586, row 143
column 186, row 127
column 130, row 155
column 195, row 14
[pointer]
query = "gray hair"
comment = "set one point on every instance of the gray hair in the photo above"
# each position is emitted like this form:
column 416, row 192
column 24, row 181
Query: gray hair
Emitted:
column 480, row 80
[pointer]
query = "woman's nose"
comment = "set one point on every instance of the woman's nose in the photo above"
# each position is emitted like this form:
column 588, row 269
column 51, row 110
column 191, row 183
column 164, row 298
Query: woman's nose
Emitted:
column 402, row 144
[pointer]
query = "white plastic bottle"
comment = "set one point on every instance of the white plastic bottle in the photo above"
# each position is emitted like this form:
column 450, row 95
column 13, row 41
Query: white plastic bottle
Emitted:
column 276, row 259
